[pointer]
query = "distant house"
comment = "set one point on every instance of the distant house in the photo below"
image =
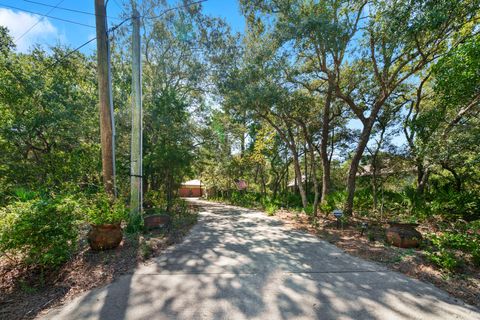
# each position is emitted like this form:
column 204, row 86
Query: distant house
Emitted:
column 241, row 184
column 388, row 169
column 293, row 184
column 192, row 188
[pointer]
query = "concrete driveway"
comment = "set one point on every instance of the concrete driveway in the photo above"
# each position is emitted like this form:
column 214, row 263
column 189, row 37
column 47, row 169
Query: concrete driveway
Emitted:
column 240, row 264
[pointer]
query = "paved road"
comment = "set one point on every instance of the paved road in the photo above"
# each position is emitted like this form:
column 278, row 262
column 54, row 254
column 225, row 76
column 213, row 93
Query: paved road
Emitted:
column 240, row 264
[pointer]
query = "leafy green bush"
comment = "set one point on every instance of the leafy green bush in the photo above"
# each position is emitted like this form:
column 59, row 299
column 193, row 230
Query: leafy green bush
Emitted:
column 182, row 215
column 455, row 204
column 245, row 199
column 476, row 257
column 414, row 203
column 100, row 209
column 371, row 236
column 363, row 200
column 22, row 194
column 445, row 259
column 328, row 206
column 441, row 253
column 292, row 200
column 42, row 232
column 155, row 199
column 468, row 241
column 270, row 209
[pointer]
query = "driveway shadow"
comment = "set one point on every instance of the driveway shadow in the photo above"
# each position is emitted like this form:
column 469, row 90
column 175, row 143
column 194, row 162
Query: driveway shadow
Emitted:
column 240, row 264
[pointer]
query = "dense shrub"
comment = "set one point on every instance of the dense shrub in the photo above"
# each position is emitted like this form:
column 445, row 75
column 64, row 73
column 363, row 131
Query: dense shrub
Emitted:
column 443, row 246
column 270, row 209
column 182, row 215
column 155, row 199
column 100, row 209
column 454, row 204
column 444, row 259
column 41, row 232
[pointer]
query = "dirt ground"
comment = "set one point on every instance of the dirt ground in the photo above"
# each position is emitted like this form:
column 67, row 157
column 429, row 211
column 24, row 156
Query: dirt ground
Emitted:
column 464, row 285
column 24, row 292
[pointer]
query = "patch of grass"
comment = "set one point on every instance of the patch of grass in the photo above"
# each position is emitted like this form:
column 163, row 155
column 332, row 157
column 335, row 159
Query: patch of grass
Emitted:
column 27, row 288
column 444, row 259
column 145, row 249
column 270, row 209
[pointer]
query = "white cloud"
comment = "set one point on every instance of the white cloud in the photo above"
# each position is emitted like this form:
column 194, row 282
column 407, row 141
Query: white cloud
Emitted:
column 19, row 22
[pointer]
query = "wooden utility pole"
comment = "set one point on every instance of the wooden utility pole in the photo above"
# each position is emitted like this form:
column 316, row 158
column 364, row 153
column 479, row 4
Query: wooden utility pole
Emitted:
column 106, row 105
column 136, row 174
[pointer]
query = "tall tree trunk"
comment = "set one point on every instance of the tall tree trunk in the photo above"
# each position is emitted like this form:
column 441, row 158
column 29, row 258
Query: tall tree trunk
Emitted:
column 314, row 168
column 287, row 176
column 324, row 144
column 422, row 176
column 456, row 177
column 374, row 187
column 376, row 166
column 264, row 182
column 352, row 172
column 276, row 181
column 305, row 157
column 289, row 140
column 298, row 174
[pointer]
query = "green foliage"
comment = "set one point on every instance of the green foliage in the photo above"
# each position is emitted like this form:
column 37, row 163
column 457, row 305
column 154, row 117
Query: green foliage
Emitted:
column 145, row 249
column 456, row 74
column 371, row 236
column 363, row 200
column 101, row 209
column 182, row 215
column 476, row 257
column 270, row 209
column 168, row 142
column 22, row 194
column 245, row 199
column 155, row 199
column 42, row 231
column 329, row 205
column 464, row 204
column 444, row 245
column 468, row 241
column 444, row 259
column 47, row 132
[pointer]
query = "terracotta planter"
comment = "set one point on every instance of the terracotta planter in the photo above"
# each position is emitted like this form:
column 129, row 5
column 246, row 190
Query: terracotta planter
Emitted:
column 105, row 236
column 156, row 221
column 403, row 235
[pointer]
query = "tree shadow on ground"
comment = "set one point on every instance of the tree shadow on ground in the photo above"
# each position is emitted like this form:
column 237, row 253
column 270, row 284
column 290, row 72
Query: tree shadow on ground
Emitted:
column 240, row 264
column 31, row 290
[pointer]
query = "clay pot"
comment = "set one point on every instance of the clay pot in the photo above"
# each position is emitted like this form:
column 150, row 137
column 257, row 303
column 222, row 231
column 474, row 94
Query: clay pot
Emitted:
column 156, row 221
column 105, row 236
column 403, row 235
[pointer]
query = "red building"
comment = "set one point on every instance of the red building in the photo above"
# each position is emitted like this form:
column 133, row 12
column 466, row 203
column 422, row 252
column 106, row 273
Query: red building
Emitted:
column 192, row 188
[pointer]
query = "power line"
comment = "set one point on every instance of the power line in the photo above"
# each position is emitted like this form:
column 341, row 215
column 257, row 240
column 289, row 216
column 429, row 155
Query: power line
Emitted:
column 85, row 43
column 111, row 30
column 119, row 6
column 175, row 8
column 48, row 16
column 39, row 20
column 66, row 9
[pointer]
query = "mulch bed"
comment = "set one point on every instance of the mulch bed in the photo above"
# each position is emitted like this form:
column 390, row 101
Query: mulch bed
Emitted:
column 464, row 284
column 24, row 292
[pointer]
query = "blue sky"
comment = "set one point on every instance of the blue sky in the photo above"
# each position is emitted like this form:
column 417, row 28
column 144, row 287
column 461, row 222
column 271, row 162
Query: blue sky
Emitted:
column 51, row 31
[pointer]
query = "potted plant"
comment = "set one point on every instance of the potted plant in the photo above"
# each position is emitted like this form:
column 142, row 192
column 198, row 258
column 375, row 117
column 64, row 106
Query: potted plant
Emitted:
column 155, row 218
column 105, row 216
column 403, row 234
